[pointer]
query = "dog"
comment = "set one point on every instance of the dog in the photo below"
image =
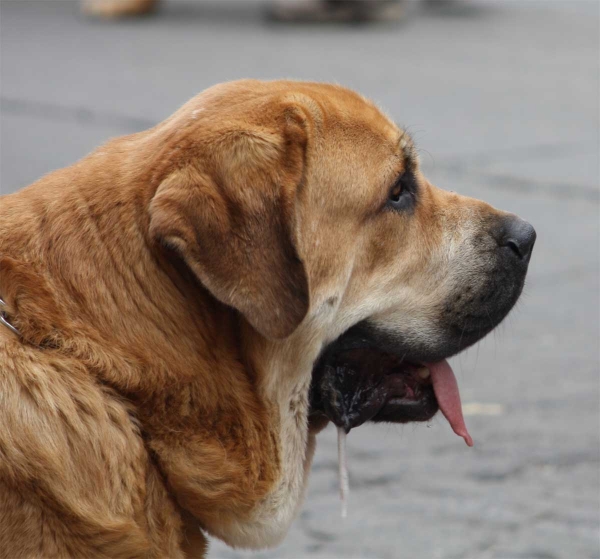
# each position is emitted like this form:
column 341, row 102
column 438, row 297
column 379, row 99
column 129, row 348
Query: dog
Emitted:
column 168, row 299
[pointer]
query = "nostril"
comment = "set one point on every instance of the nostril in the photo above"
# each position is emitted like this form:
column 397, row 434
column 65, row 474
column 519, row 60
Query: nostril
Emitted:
column 514, row 246
column 517, row 235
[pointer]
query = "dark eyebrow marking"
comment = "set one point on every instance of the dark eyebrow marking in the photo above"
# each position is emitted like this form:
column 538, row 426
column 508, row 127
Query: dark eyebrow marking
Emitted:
column 406, row 146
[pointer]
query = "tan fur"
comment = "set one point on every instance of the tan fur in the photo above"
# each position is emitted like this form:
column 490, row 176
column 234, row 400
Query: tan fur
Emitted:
column 173, row 290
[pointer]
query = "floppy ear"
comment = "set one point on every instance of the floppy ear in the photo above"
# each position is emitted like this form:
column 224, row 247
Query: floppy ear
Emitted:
column 230, row 214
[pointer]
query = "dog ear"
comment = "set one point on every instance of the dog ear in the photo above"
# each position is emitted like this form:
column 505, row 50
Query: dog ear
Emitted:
column 230, row 214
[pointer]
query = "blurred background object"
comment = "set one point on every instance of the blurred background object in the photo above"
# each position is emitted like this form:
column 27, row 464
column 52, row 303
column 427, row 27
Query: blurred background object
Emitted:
column 118, row 8
column 288, row 11
column 502, row 99
column 336, row 11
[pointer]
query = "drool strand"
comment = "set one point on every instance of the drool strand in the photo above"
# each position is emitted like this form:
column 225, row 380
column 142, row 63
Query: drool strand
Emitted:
column 343, row 470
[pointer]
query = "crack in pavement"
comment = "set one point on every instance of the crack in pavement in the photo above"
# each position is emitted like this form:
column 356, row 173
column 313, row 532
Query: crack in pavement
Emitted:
column 82, row 115
column 516, row 153
column 559, row 190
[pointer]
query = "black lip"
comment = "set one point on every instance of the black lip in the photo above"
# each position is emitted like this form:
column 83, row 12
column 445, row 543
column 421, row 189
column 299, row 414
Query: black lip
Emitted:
column 364, row 335
column 408, row 411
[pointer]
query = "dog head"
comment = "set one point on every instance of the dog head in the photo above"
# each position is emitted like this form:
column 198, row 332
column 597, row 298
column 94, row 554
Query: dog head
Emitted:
column 303, row 207
column 303, row 203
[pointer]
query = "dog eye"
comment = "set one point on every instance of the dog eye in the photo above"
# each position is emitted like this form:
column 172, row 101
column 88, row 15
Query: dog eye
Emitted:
column 403, row 193
column 399, row 195
column 396, row 193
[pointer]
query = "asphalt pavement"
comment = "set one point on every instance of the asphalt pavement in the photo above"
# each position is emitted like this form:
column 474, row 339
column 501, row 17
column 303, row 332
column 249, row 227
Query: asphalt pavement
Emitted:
column 503, row 101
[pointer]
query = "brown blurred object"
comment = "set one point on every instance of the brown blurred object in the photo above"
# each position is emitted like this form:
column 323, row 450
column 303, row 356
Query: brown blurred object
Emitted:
column 336, row 11
column 117, row 8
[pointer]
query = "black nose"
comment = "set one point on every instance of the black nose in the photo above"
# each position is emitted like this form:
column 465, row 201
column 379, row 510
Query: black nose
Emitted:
column 519, row 236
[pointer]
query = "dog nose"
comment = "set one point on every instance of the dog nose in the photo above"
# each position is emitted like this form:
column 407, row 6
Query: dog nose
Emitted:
column 519, row 236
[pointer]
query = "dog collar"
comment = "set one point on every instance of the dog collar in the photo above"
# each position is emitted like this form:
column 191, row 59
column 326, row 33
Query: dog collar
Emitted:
column 4, row 319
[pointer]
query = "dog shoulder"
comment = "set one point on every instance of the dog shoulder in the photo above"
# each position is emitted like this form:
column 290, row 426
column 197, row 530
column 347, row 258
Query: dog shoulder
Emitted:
column 73, row 466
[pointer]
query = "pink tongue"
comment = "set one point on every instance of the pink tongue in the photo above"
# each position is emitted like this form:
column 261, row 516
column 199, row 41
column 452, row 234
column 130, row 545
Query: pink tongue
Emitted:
column 448, row 397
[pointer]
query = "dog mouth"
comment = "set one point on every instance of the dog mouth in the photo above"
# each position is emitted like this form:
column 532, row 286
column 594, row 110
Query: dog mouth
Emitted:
column 357, row 384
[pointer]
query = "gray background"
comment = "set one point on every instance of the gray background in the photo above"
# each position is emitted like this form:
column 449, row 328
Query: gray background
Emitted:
column 502, row 98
